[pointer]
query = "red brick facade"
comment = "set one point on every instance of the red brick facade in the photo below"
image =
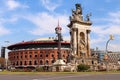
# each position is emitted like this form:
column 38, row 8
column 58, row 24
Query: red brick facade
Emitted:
column 20, row 56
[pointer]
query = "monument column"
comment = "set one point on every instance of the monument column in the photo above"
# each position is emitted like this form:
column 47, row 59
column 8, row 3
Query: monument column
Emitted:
column 88, row 43
column 74, row 41
column 80, row 33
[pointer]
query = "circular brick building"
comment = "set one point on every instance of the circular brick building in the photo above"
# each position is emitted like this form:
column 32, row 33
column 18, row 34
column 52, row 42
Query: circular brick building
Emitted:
column 37, row 53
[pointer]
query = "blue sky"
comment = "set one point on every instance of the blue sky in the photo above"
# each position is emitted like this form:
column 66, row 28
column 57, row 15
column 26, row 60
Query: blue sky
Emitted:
column 31, row 19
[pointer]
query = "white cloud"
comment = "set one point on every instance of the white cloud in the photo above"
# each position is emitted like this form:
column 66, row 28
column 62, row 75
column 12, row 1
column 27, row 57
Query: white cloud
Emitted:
column 96, row 41
column 114, row 17
column 50, row 4
column 46, row 23
column 12, row 4
column 114, row 47
column 107, row 29
column 3, row 31
column 111, row 26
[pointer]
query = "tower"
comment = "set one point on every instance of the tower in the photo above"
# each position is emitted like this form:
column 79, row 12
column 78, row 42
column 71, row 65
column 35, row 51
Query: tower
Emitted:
column 80, row 33
column 59, row 63
column 3, row 52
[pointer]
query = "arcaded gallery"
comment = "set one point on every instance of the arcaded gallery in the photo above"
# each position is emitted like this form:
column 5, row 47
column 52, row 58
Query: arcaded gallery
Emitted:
column 37, row 53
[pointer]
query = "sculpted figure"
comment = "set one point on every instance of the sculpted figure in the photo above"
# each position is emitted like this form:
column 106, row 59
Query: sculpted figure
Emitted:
column 76, row 14
column 88, row 16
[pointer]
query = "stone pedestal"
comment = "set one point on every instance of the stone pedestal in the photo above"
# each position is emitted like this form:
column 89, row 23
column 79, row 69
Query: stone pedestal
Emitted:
column 59, row 65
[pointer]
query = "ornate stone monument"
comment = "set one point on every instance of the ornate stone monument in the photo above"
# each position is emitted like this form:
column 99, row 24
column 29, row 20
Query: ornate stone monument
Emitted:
column 80, row 34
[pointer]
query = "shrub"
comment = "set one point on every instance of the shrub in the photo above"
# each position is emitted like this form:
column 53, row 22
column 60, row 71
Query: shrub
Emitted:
column 83, row 67
column 39, row 69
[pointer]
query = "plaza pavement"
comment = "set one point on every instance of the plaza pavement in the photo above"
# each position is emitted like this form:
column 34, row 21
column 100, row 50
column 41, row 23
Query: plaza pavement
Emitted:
column 60, row 77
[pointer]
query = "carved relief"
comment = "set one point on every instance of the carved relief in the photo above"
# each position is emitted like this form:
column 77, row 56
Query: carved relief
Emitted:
column 82, row 45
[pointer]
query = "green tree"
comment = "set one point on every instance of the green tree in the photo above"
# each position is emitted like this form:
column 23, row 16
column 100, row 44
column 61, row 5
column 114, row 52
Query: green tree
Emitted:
column 2, row 62
column 83, row 67
column 39, row 69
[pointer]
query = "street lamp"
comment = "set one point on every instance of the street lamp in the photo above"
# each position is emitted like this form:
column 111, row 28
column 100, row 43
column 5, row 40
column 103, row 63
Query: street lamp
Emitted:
column 59, row 63
column 111, row 38
column 106, row 52
column 58, row 32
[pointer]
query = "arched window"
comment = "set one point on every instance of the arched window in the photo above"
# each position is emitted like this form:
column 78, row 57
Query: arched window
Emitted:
column 30, row 62
column 35, row 62
column 25, row 63
column 35, row 56
column 25, row 56
column 20, row 62
column 52, row 61
column 17, row 63
column 46, row 55
column 47, row 62
column 52, row 55
column 30, row 56
column 41, row 62
column 40, row 55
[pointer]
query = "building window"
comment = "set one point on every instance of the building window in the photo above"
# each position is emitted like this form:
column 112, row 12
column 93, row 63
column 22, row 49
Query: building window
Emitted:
column 25, row 56
column 30, row 52
column 40, row 55
column 35, row 62
column 35, row 56
column 30, row 62
column 25, row 63
column 47, row 62
column 52, row 61
column 46, row 55
column 30, row 56
column 17, row 63
column 47, row 52
column 52, row 55
column 20, row 62
column 41, row 62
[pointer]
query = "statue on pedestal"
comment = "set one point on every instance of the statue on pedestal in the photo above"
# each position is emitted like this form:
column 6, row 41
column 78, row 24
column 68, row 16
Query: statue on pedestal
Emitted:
column 77, row 14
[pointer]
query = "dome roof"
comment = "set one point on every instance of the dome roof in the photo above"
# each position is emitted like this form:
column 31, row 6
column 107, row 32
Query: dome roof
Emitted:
column 44, row 39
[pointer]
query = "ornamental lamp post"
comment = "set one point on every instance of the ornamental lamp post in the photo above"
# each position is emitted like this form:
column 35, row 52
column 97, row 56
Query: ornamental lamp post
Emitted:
column 58, row 32
column 59, row 63
column 111, row 37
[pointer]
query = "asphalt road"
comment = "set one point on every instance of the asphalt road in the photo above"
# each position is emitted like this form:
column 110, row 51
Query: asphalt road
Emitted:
column 62, row 77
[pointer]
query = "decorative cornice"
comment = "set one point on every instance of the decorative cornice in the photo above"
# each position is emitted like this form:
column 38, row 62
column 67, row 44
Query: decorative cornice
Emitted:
column 79, row 22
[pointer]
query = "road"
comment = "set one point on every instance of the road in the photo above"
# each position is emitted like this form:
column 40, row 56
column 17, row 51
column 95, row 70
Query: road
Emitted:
column 61, row 77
